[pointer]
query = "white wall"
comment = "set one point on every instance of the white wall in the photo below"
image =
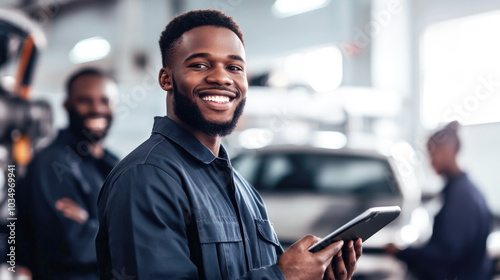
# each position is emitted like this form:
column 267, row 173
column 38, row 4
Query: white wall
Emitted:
column 481, row 149
column 480, row 157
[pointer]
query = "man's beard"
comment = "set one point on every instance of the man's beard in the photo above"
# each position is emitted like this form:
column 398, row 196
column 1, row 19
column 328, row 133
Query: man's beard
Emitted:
column 81, row 132
column 188, row 112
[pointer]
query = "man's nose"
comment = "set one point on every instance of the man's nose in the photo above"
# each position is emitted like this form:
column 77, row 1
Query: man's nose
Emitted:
column 98, row 107
column 219, row 75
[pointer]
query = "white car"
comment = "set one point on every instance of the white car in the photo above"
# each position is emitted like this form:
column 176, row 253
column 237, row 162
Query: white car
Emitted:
column 309, row 190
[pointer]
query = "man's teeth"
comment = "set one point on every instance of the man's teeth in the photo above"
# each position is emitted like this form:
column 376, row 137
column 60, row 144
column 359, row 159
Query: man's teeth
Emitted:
column 216, row 98
column 96, row 123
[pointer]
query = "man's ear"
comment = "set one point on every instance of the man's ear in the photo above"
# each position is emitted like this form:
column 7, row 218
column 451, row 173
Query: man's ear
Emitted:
column 165, row 79
column 66, row 105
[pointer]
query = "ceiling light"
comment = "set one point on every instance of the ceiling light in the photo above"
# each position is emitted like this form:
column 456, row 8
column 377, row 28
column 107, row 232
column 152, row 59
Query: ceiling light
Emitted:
column 90, row 49
column 286, row 8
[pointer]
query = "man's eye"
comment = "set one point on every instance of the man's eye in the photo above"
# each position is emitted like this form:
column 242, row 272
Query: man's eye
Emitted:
column 198, row 66
column 84, row 101
column 235, row 68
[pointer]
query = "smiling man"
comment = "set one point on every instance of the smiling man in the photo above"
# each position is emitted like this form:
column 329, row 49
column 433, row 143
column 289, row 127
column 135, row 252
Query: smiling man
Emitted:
column 175, row 208
column 217, row 81
column 58, row 213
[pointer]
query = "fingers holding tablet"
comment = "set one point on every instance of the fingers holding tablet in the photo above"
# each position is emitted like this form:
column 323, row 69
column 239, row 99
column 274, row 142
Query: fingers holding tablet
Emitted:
column 344, row 262
column 297, row 262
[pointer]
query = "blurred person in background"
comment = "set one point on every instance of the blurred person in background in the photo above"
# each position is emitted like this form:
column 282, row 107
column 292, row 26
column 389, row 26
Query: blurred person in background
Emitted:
column 58, row 199
column 457, row 249
column 174, row 208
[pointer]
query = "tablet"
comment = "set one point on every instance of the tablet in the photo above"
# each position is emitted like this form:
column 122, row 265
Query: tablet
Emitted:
column 363, row 226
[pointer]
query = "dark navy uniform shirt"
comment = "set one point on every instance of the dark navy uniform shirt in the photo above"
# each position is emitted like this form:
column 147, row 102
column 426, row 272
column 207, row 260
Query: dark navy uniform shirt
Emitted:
column 457, row 249
column 50, row 244
column 173, row 210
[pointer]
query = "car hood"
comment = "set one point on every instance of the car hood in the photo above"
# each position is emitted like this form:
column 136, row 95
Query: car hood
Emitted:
column 297, row 214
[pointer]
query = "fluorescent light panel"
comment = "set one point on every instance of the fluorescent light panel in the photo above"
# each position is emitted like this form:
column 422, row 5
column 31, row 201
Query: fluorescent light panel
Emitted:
column 286, row 8
column 90, row 49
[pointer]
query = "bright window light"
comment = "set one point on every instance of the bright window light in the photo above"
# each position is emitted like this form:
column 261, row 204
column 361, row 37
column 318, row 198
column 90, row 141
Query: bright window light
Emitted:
column 286, row 8
column 329, row 139
column 320, row 68
column 460, row 73
column 90, row 49
column 324, row 69
column 254, row 138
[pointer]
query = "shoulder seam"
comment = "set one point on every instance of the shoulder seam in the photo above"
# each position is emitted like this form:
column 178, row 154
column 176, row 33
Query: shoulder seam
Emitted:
column 151, row 150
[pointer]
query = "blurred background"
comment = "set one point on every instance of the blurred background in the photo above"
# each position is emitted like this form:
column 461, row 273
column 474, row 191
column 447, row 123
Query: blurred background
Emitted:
column 363, row 80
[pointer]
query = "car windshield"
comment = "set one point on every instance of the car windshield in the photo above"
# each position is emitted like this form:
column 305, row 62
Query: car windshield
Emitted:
column 316, row 172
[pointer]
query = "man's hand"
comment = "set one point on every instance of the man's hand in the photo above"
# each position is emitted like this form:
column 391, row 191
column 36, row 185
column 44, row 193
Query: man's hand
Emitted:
column 344, row 262
column 72, row 210
column 23, row 273
column 391, row 249
column 298, row 263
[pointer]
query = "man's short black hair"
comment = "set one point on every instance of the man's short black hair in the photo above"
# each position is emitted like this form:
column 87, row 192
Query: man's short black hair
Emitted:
column 88, row 71
column 189, row 20
column 446, row 135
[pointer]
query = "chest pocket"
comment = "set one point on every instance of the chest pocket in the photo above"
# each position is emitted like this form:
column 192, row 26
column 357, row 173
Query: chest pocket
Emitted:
column 221, row 247
column 268, row 242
